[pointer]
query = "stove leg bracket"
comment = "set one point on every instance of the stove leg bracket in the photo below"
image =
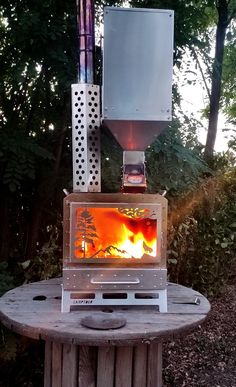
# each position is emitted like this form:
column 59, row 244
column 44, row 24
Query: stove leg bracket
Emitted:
column 114, row 298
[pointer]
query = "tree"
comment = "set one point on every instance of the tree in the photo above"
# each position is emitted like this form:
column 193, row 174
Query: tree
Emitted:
column 226, row 10
column 85, row 231
column 37, row 56
column 229, row 77
column 192, row 20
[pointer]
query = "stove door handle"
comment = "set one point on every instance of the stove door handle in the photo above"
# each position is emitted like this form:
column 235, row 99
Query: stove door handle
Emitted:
column 132, row 281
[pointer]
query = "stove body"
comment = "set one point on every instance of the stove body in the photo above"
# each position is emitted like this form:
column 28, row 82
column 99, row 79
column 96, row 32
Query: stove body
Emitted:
column 114, row 247
column 114, row 250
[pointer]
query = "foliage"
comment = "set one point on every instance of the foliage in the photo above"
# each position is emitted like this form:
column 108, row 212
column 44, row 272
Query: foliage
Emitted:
column 111, row 153
column 191, row 19
column 6, row 279
column 21, row 361
column 48, row 261
column 38, row 56
column 172, row 166
column 229, row 77
column 202, row 243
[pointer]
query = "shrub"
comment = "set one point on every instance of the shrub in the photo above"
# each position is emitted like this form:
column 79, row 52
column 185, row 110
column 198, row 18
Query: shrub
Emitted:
column 202, row 235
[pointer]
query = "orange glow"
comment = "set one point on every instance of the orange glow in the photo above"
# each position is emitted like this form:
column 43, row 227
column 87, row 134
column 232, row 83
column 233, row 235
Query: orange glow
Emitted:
column 109, row 233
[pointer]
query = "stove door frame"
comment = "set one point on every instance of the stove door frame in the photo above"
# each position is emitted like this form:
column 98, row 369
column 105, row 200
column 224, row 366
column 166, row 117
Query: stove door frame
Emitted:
column 99, row 200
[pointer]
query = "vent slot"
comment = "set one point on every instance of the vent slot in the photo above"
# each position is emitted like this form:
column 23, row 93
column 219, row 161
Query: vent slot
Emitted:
column 114, row 296
column 82, row 296
column 146, row 295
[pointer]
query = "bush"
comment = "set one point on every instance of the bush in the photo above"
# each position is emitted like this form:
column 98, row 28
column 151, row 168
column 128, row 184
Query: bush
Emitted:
column 202, row 235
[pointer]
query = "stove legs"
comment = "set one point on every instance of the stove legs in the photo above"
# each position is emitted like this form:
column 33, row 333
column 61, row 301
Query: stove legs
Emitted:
column 156, row 298
column 69, row 365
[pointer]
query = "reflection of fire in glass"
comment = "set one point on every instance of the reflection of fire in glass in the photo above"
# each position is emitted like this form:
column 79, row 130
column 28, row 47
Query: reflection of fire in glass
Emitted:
column 114, row 233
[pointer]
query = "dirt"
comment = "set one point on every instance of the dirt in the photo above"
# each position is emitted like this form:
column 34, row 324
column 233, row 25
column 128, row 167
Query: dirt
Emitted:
column 207, row 357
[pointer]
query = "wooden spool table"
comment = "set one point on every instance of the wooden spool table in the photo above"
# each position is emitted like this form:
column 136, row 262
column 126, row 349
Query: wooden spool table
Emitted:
column 76, row 356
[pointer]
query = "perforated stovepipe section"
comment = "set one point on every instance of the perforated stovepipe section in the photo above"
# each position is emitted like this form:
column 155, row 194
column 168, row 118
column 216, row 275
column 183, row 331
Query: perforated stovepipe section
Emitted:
column 86, row 138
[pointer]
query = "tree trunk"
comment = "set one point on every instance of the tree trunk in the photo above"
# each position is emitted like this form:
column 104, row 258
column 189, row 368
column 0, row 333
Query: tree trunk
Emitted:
column 222, row 24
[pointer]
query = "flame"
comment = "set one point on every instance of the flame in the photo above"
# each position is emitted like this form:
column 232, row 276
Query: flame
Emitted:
column 134, row 244
column 111, row 234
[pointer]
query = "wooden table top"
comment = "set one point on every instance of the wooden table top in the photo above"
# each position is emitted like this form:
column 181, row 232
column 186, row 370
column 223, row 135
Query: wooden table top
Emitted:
column 44, row 320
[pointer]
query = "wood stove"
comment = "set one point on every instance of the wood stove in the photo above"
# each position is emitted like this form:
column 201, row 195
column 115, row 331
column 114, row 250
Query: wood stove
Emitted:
column 114, row 249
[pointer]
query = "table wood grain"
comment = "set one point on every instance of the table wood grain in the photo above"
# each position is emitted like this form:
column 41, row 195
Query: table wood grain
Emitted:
column 41, row 318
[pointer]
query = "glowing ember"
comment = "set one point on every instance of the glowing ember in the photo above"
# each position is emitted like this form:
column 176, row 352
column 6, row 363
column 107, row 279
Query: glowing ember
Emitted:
column 114, row 233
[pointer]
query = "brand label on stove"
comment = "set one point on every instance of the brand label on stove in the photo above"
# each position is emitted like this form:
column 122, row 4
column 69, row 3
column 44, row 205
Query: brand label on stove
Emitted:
column 82, row 302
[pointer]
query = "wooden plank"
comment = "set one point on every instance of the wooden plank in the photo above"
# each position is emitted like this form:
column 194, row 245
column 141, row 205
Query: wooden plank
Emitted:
column 154, row 371
column 44, row 320
column 105, row 367
column 140, row 366
column 123, row 367
column 87, row 366
column 48, row 364
column 56, row 365
column 69, row 365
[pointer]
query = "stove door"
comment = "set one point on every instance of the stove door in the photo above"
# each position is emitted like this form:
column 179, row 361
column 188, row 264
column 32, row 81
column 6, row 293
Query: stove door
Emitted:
column 119, row 233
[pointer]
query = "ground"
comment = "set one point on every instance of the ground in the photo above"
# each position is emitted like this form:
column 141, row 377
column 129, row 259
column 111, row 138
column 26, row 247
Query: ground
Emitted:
column 208, row 356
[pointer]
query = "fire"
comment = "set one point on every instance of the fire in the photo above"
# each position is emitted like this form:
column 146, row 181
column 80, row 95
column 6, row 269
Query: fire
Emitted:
column 135, row 245
column 108, row 233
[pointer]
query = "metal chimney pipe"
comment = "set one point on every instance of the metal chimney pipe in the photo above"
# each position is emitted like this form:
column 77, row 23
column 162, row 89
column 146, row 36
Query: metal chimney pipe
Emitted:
column 86, row 41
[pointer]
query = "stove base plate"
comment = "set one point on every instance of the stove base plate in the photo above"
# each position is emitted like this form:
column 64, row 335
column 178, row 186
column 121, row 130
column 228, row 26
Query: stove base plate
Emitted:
column 114, row 297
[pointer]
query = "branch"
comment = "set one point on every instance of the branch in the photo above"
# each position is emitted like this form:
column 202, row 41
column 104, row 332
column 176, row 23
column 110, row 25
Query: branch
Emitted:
column 201, row 70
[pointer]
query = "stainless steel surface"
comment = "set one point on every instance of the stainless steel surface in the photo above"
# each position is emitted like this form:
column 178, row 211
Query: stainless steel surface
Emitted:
column 85, row 26
column 135, row 135
column 156, row 203
column 89, row 278
column 86, row 138
column 134, row 177
column 137, row 78
column 133, row 157
column 190, row 301
column 156, row 213
column 157, row 298
column 114, row 281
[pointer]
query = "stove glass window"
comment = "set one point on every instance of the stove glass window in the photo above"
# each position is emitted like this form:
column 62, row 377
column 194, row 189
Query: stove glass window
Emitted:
column 123, row 233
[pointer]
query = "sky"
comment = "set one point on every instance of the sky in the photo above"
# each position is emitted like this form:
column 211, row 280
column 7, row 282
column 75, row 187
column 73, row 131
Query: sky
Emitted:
column 194, row 101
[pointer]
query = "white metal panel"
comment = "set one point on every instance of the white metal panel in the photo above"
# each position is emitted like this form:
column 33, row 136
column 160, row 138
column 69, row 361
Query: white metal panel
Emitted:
column 137, row 78
column 138, row 62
